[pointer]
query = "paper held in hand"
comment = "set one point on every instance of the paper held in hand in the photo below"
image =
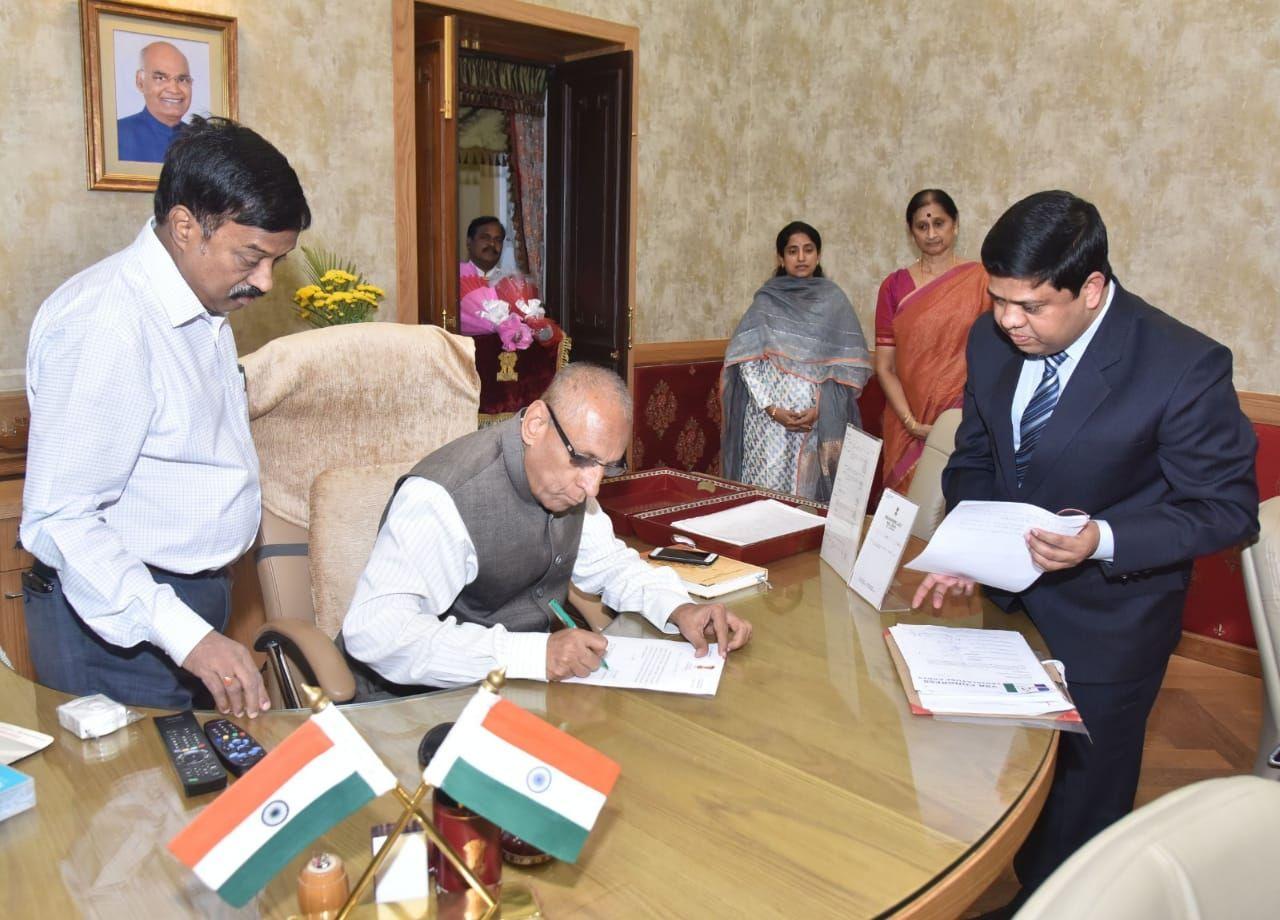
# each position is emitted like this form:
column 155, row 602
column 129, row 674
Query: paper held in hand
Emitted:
column 987, row 541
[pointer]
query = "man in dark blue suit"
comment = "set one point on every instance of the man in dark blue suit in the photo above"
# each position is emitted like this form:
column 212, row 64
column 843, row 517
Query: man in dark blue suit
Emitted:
column 1082, row 396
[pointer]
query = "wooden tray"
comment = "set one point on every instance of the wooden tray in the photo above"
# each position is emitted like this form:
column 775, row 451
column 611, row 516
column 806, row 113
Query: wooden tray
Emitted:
column 650, row 490
column 645, row 504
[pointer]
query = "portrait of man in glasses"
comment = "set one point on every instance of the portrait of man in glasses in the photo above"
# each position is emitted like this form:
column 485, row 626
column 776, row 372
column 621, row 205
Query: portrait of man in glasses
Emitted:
column 164, row 79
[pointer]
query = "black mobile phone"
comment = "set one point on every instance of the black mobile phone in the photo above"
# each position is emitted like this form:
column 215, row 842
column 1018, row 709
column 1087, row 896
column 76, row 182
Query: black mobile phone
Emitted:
column 684, row 554
column 1274, row 759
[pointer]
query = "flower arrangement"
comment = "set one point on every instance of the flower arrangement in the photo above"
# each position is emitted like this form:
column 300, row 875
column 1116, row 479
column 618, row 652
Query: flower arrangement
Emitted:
column 337, row 292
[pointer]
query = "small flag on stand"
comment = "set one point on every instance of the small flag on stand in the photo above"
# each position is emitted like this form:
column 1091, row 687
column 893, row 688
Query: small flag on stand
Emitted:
column 523, row 774
column 313, row 779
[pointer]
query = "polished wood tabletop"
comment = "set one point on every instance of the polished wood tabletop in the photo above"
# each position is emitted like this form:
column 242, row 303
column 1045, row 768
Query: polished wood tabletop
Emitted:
column 805, row 787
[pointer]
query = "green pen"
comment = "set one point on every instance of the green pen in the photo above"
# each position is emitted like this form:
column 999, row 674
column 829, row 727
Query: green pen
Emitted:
column 568, row 621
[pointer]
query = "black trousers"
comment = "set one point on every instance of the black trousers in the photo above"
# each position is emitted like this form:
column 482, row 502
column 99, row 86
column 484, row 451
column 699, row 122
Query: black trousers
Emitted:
column 1096, row 776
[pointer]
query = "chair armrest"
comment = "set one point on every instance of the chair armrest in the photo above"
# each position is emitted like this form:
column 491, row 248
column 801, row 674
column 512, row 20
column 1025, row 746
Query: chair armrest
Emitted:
column 321, row 662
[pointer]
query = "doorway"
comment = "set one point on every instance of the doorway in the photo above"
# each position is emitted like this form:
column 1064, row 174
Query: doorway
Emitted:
column 584, row 258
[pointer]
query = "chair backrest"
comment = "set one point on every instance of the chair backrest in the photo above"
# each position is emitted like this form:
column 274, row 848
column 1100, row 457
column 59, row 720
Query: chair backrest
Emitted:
column 926, row 486
column 354, row 395
column 1260, row 564
column 346, row 508
column 340, row 398
column 1206, row 850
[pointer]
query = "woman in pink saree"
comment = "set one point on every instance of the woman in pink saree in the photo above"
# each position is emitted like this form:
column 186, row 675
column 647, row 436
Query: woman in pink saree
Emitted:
column 923, row 315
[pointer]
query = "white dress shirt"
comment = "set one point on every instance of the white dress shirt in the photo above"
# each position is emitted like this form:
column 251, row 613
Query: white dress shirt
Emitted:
column 139, row 451
column 423, row 558
column 1029, row 379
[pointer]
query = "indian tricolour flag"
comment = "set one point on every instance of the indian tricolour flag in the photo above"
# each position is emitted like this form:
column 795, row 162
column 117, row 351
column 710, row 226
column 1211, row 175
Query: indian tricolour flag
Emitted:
column 313, row 779
column 523, row 774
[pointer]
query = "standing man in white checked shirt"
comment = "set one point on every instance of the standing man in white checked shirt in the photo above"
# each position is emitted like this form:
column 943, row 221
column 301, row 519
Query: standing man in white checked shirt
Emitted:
column 142, row 481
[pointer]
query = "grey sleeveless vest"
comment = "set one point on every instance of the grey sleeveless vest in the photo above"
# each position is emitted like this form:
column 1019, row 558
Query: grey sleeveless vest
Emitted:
column 525, row 553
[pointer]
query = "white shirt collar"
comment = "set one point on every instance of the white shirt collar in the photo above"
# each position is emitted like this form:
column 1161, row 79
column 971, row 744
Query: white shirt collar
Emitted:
column 179, row 302
column 489, row 275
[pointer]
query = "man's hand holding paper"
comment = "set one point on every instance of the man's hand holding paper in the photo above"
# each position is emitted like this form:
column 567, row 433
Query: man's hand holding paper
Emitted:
column 1006, row 545
column 1053, row 551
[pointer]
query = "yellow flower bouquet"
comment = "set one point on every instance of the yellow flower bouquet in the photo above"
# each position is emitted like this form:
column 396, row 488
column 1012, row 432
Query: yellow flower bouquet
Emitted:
column 337, row 292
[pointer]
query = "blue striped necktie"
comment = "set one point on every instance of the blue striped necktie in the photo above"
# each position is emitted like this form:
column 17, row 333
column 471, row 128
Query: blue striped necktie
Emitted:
column 1037, row 413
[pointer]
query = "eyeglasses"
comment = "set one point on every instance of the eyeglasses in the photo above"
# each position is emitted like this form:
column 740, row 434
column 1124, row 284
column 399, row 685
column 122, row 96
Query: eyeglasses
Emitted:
column 160, row 78
column 584, row 461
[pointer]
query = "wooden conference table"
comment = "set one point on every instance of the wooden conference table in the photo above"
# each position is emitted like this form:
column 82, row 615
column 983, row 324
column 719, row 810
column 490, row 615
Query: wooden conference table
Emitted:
column 804, row 788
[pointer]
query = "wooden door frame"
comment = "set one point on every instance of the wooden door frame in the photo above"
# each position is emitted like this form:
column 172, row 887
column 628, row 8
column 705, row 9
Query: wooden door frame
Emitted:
column 620, row 37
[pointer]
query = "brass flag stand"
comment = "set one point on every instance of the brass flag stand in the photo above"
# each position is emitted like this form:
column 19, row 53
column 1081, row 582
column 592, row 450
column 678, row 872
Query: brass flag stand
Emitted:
column 515, row 901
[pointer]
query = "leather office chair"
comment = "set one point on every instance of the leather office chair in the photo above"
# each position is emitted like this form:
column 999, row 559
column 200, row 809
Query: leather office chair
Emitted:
column 1206, row 850
column 926, row 486
column 377, row 396
column 1261, row 566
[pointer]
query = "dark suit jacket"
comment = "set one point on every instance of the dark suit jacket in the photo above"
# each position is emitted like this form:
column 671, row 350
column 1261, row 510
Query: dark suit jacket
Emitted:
column 1148, row 436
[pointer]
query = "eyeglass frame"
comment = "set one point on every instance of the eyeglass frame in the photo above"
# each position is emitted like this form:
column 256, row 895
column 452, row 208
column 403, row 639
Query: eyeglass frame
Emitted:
column 585, row 461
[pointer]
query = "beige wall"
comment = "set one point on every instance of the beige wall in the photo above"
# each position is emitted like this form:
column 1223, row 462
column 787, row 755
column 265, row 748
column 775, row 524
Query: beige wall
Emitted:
column 293, row 53
column 752, row 113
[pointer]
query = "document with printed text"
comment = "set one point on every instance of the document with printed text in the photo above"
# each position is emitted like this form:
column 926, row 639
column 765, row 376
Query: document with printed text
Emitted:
column 859, row 458
column 986, row 541
column 959, row 670
column 877, row 563
column 657, row 664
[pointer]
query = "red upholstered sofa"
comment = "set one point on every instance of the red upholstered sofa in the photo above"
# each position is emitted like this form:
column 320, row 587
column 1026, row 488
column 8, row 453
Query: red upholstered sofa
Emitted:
column 675, row 388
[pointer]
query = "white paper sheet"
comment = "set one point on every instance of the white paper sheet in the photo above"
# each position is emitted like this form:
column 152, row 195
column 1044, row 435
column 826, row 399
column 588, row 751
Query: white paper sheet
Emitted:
column 657, row 664
column 751, row 522
column 877, row 563
column 859, row 457
column 17, row 742
column 986, row 541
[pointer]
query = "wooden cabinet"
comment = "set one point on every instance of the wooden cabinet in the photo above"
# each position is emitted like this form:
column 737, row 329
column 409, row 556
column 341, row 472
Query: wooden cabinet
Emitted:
column 13, row 560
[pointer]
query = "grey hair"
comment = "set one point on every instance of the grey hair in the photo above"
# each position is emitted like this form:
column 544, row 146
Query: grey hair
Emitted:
column 575, row 382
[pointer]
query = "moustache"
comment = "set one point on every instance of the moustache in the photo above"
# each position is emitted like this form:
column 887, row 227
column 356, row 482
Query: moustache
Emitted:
column 245, row 290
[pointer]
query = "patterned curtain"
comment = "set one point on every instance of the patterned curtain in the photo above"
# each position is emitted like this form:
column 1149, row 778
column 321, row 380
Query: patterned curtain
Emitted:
column 528, row 169
column 491, row 83
column 520, row 91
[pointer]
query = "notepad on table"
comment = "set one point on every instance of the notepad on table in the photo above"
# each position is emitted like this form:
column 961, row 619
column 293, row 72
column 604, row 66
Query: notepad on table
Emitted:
column 724, row 576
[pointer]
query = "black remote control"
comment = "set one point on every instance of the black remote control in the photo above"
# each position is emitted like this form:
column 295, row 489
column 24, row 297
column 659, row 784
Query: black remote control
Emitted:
column 234, row 746
column 193, row 758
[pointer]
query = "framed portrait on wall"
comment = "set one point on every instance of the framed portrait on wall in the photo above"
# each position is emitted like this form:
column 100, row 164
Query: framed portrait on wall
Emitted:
column 147, row 70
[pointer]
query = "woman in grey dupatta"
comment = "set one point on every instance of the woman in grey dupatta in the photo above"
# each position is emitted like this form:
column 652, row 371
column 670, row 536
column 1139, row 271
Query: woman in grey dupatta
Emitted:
column 792, row 375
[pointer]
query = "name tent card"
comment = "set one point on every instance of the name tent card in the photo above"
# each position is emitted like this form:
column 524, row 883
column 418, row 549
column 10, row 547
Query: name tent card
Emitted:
column 859, row 457
column 877, row 563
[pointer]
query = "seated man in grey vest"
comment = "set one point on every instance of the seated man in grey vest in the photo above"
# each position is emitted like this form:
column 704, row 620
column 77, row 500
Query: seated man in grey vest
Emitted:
column 481, row 536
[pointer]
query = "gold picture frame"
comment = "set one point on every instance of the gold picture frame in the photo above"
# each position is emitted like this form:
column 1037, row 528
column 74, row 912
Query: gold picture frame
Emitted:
column 120, row 99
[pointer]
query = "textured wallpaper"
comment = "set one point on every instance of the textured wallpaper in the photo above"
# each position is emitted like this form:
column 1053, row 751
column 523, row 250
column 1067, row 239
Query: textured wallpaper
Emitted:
column 753, row 113
column 293, row 53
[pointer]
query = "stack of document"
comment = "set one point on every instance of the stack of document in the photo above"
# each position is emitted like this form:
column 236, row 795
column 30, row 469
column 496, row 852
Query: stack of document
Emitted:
column 976, row 672
column 752, row 522
column 724, row 576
